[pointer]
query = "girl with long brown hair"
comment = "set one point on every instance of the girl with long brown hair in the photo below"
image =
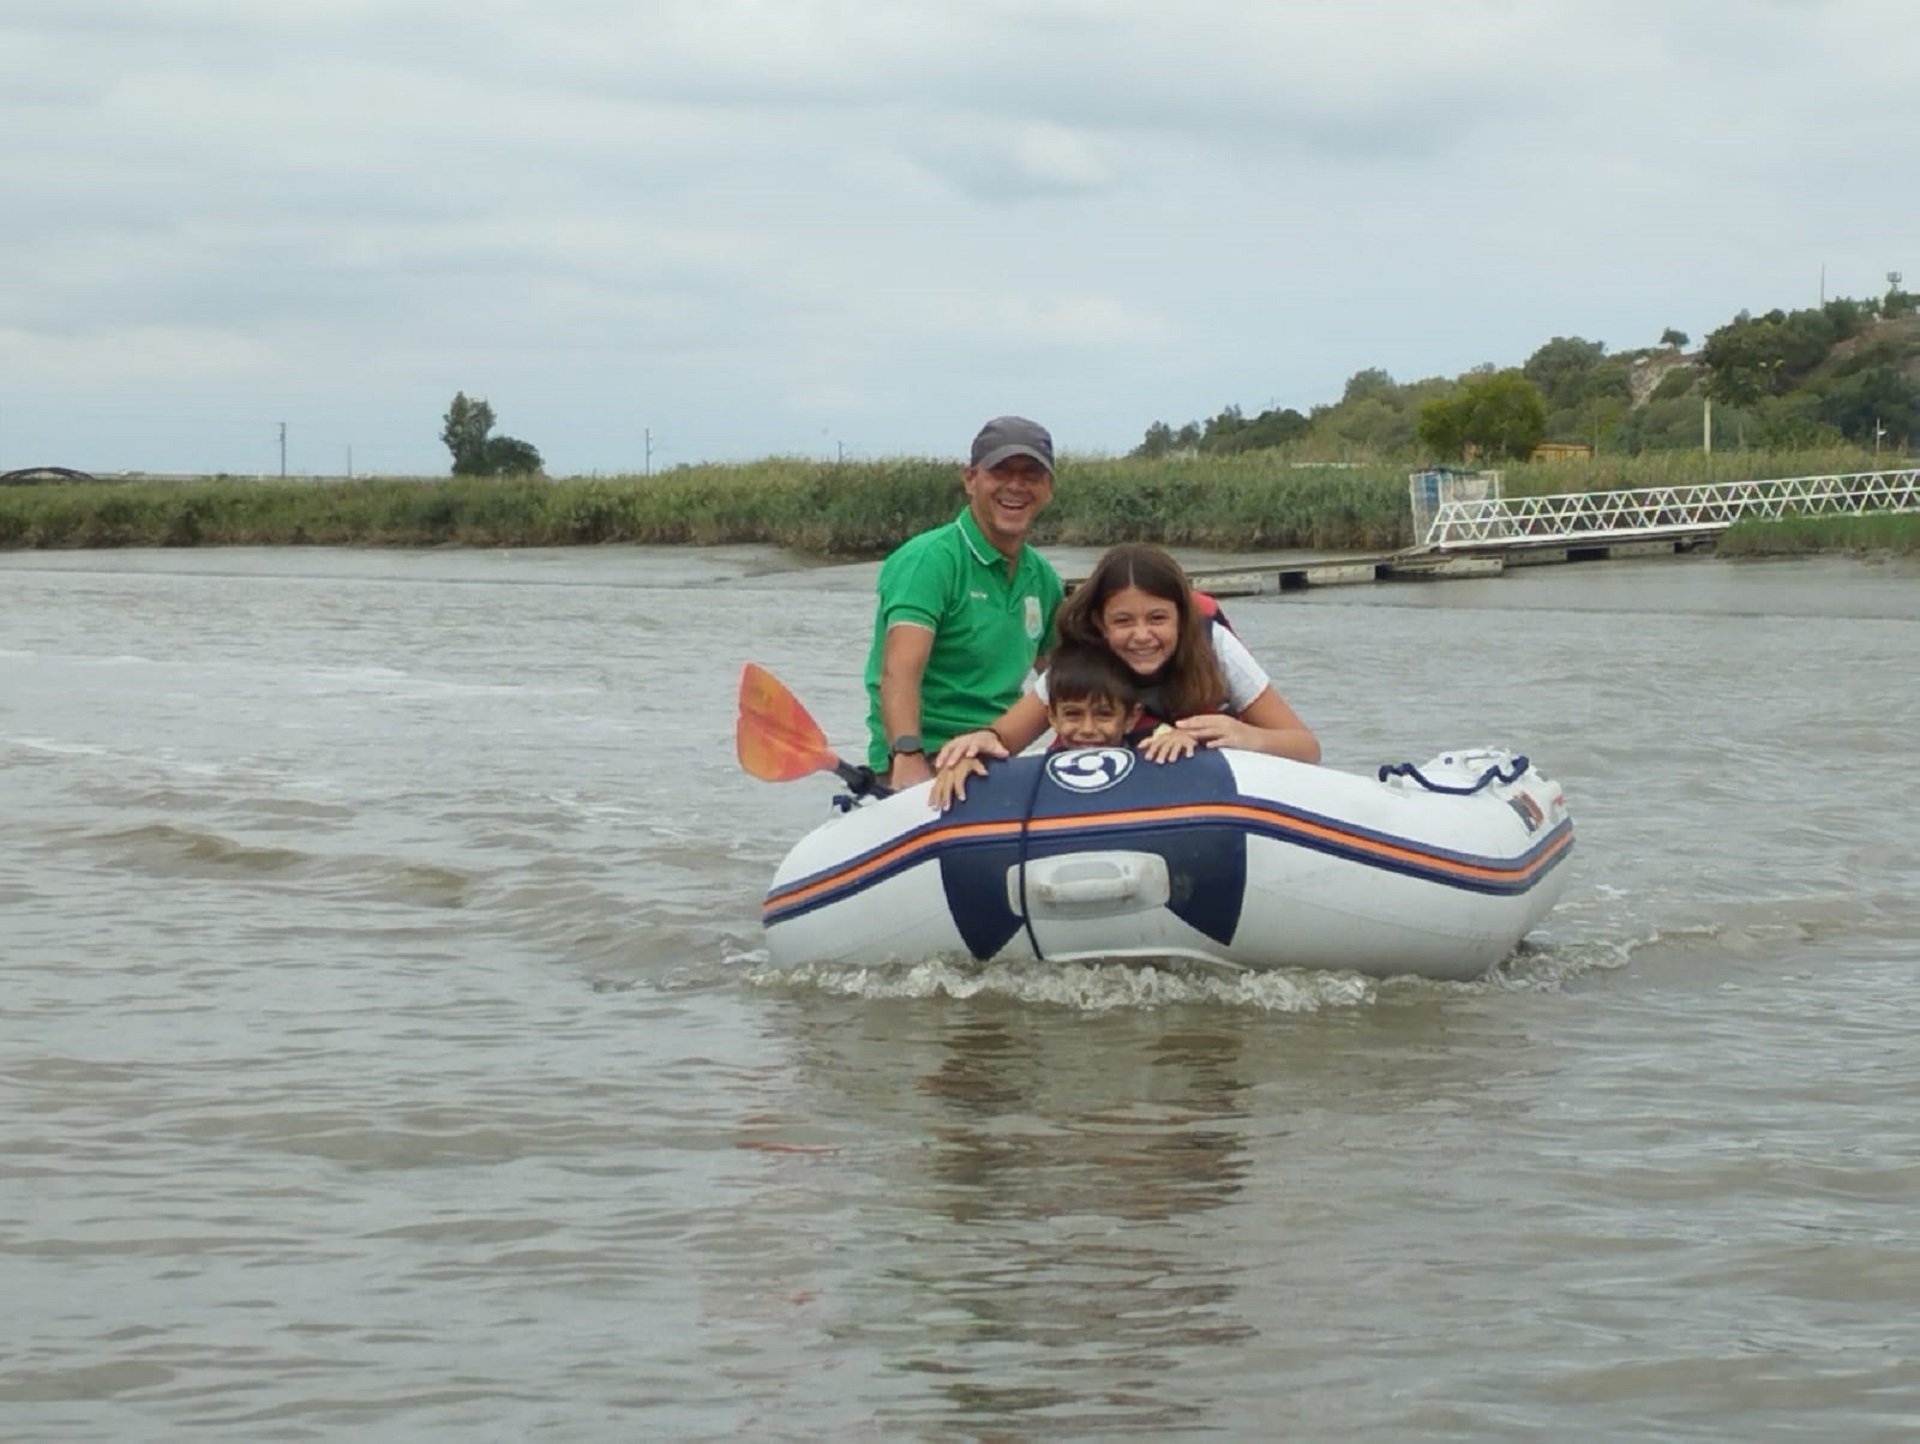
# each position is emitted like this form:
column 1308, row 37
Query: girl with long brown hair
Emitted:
column 1192, row 672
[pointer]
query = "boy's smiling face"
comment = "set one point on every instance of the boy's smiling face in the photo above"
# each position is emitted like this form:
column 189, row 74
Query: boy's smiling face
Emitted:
column 1091, row 721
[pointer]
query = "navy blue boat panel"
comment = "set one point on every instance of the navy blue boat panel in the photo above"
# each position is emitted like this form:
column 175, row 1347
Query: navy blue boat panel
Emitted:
column 975, row 882
column 1206, row 862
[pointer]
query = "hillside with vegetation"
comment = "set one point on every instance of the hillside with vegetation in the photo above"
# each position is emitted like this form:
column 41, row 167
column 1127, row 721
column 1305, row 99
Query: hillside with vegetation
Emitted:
column 1845, row 373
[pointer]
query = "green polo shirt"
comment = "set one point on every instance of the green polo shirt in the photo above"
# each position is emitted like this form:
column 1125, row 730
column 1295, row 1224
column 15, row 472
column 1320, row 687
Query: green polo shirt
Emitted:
column 987, row 627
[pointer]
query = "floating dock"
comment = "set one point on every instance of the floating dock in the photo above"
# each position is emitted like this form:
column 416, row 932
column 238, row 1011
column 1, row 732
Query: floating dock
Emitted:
column 1420, row 565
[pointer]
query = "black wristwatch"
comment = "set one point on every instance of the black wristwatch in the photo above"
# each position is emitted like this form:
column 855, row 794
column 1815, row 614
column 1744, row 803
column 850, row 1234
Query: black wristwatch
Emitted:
column 907, row 744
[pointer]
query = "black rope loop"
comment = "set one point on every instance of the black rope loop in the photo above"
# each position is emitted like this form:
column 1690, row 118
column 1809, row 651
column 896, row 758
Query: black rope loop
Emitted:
column 1486, row 779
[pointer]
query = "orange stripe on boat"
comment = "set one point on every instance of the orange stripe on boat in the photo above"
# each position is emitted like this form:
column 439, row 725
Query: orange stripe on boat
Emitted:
column 1264, row 817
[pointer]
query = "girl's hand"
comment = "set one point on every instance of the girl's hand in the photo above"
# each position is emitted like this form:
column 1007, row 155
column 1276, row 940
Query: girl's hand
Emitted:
column 984, row 742
column 1217, row 729
column 950, row 783
column 1165, row 743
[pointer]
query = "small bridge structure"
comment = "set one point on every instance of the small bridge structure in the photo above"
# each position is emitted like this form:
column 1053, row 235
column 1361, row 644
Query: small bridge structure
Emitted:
column 1456, row 513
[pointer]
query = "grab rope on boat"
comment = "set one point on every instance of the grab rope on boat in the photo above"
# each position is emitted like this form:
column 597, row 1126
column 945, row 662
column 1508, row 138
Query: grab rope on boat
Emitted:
column 1026, row 836
column 1492, row 775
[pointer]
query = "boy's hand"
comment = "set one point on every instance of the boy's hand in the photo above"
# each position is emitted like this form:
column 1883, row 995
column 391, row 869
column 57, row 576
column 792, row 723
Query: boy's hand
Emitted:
column 1165, row 743
column 950, row 783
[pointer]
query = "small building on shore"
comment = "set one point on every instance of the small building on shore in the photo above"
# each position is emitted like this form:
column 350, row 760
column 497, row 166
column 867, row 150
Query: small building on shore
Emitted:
column 1560, row 451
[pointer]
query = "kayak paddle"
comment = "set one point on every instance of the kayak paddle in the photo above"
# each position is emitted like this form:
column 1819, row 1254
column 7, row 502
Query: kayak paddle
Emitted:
column 778, row 741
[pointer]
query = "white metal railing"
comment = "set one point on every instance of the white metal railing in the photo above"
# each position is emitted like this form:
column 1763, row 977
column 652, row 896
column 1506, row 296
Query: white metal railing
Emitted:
column 1661, row 511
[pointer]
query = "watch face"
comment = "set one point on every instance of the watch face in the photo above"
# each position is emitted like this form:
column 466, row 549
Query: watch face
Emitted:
column 905, row 742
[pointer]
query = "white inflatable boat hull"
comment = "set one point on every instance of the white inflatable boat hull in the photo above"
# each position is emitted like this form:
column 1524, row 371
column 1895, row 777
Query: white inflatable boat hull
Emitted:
column 1232, row 857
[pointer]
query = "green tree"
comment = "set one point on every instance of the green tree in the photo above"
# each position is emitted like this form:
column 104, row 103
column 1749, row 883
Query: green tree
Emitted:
column 1156, row 443
column 1276, row 426
column 1792, row 422
column 1506, row 414
column 466, row 430
column 1755, row 357
column 1676, row 382
column 1849, row 317
column 1223, row 431
column 1675, row 338
column 465, row 433
column 1883, row 397
column 1742, row 358
column 1442, row 427
column 1563, row 370
column 1371, row 384
column 1376, row 413
column 1500, row 414
column 510, row 456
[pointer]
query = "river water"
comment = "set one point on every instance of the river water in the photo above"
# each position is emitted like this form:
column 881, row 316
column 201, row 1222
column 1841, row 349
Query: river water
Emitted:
column 388, row 1049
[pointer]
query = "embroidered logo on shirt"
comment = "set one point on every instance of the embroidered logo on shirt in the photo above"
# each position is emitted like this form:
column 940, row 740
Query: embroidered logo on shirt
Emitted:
column 1033, row 618
column 978, row 596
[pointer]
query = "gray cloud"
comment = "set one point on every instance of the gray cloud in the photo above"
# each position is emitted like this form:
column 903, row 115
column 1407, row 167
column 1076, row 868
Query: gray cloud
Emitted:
column 759, row 227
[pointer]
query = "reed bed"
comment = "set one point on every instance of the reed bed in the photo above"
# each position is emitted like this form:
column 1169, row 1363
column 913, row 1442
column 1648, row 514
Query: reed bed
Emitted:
column 1894, row 534
column 836, row 509
column 1252, row 501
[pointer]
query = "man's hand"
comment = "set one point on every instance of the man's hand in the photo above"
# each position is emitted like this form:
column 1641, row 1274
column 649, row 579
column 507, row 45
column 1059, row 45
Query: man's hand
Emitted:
column 982, row 742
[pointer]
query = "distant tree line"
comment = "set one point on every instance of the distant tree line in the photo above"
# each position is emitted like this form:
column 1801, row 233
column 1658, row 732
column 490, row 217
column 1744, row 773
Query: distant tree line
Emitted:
column 1845, row 371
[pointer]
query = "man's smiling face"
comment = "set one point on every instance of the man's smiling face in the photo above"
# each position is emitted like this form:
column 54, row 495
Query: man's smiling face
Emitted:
column 1004, row 499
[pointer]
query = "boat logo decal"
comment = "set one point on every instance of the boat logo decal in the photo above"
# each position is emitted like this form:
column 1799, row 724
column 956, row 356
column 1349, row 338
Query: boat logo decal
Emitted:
column 1528, row 809
column 1090, row 769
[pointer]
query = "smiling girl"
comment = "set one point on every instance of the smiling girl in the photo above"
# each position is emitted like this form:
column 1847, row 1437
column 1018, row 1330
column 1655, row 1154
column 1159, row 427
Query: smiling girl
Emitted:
column 1191, row 670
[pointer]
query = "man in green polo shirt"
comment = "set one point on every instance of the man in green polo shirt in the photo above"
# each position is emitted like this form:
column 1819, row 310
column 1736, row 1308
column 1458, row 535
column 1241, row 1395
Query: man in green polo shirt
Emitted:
column 964, row 608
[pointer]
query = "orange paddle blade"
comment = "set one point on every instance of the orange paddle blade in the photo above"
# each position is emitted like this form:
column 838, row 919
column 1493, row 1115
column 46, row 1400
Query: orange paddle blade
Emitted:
column 776, row 740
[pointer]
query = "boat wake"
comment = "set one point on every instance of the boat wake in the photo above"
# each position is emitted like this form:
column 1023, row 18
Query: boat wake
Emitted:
column 1082, row 987
column 1133, row 983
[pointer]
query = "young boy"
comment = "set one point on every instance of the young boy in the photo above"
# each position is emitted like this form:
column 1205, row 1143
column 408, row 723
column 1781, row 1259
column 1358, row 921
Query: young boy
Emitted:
column 1091, row 702
column 1091, row 698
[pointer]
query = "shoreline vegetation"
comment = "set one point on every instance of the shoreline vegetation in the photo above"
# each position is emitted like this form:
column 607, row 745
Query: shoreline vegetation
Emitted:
column 1252, row 501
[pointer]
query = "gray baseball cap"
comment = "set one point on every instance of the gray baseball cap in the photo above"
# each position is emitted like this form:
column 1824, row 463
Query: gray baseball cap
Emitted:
column 1006, row 436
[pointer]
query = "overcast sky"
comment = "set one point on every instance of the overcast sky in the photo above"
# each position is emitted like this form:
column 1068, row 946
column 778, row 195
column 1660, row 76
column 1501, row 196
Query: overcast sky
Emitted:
column 800, row 226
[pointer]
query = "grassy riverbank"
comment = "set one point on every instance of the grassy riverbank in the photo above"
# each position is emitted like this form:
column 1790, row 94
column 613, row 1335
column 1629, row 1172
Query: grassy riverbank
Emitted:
column 1252, row 501
column 1894, row 535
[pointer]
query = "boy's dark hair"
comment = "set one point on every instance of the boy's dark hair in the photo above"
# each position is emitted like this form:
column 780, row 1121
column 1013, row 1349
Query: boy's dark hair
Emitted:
column 1076, row 672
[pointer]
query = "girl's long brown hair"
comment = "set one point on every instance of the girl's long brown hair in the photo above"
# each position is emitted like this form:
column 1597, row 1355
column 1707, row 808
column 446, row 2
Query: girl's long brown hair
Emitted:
column 1191, row 681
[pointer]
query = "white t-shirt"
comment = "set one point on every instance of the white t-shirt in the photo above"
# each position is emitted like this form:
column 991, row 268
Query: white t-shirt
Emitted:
column 1245, row 678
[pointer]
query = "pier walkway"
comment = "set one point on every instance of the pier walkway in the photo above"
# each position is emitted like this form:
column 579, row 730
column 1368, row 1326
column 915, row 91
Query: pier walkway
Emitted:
column 1467, row 529
column 1660, row 512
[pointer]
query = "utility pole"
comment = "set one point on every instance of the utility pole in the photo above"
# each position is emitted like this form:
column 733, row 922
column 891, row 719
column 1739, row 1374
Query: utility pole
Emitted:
column 648, row 433
column 349, row 461
column 283, row 448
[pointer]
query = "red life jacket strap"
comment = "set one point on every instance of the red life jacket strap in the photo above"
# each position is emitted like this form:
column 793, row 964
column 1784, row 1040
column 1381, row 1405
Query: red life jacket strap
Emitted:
column 1209, row 607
